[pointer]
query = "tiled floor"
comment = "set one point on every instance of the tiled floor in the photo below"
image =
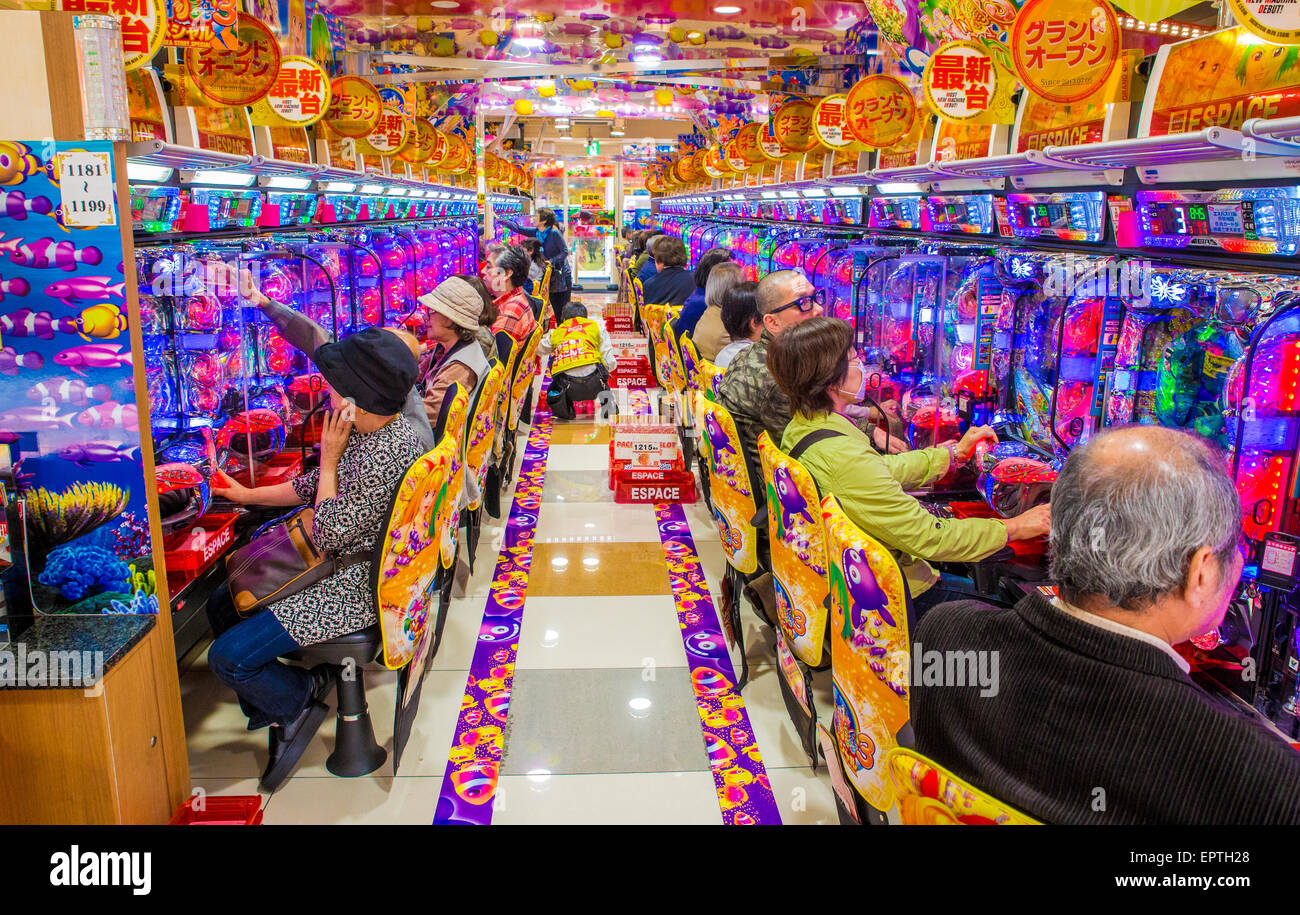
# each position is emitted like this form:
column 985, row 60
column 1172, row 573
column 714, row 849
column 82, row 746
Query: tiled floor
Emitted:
column 603, row 725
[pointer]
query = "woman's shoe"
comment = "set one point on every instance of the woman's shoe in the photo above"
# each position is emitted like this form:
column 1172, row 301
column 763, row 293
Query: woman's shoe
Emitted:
column 287, row 743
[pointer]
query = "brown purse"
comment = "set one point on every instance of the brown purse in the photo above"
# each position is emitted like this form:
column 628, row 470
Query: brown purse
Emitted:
column 281, row 560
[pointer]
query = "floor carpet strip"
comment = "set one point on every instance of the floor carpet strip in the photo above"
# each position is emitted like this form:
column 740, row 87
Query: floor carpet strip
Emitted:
column 744, row 792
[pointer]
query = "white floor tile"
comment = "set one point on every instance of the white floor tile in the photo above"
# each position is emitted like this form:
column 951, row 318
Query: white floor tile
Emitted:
column 578, row 457
column 685, row 798
column 606, row 632
column 803, row 798
column 596, row 521
column 354, row 801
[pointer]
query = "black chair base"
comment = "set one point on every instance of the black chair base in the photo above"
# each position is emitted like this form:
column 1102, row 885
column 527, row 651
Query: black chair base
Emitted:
column 356, row 752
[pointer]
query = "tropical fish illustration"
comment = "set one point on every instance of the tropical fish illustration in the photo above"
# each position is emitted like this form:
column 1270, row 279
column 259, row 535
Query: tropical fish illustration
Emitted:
column 16, row 286
column 27, row 323
column 17, row 162
column 793, row 504
column 11, row 361
column 102, row 321
column 64, row 390
column 46, row 253
column 17, row 206
column 110, row 415
column 26, row 419
column 864, row 591
column 83, row 454
column 88, row 356
column 85, row 289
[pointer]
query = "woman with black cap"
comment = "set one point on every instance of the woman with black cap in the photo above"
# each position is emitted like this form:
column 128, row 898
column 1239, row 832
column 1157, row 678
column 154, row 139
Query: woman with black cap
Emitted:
column 366, row 448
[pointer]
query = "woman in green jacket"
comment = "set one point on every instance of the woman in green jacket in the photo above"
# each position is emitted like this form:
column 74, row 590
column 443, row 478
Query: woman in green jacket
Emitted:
column 815, row 365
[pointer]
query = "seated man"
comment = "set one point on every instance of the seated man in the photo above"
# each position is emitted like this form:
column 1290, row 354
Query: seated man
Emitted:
column 505, row 279
column 1091, row 716
column 672, row 283
column 584, row 357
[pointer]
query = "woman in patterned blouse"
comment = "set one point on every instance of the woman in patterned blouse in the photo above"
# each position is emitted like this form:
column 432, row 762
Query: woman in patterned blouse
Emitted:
column 367, row 446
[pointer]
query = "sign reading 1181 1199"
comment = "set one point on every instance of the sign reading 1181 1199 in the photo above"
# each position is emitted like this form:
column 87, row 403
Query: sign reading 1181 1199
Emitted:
column 86, row 182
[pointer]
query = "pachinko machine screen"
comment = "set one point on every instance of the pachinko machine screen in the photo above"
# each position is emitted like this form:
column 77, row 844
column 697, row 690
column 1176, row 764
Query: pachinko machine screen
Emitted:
column 895, row 213
column 155, row 209
column 1068, row 217
column 1258, row 220
column 971, row 214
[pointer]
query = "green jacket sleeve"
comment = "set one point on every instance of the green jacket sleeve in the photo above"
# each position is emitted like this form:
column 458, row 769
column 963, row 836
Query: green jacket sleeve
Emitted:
column 916, row 468
column 870, row 493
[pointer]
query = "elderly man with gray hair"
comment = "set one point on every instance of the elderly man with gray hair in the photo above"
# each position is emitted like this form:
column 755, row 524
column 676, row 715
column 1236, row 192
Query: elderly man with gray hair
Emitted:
column 1092, row 717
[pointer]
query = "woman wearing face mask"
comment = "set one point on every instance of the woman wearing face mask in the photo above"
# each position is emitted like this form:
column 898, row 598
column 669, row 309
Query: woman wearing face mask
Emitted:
column 815, row 365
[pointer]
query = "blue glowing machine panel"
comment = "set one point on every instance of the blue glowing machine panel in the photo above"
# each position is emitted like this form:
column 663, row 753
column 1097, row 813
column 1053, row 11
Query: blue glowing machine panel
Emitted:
column 1068, row 217
column 1255, row 220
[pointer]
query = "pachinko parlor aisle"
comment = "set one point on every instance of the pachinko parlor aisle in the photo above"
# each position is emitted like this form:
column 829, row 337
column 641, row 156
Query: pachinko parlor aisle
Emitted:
column 672, row 414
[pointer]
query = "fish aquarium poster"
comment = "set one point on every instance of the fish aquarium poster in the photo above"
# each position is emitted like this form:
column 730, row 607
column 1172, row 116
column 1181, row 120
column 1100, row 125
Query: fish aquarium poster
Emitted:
column 68, row 414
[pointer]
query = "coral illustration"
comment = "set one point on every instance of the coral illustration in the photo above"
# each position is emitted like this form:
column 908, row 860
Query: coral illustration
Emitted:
column 55, row 518
column 79, row 571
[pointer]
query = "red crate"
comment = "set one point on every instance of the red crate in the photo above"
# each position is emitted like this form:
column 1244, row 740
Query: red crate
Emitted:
column 1032, row 550
column 649, row 486
column 619, row 324
column 194, row 550
column 236, row 810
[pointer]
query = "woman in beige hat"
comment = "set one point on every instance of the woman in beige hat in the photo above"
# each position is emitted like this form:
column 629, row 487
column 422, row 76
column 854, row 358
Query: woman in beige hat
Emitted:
column 454, row 312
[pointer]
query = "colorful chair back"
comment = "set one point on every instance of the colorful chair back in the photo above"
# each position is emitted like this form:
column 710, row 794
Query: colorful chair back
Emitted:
column 709, row 375
column 797, row 539
column 405, row 576
column 870, row 654
column 480, row 433
column 731, row 488
column 638, row 302
column 930, row 795
column 677, row 380
column 690, row 357
column 448, row 510
column 524, row 373
column 502, row 406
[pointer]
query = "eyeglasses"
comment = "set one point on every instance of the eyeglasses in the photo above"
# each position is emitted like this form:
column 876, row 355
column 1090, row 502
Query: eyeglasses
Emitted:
column 804, row 303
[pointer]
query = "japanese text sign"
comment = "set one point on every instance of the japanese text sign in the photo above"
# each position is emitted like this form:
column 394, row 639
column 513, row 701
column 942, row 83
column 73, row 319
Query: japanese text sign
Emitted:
column 143, row 24
column 879, row 111
column 354, row 108
column 1065, row 50
column 960, row 81
column 299, row 97
column 231, row 77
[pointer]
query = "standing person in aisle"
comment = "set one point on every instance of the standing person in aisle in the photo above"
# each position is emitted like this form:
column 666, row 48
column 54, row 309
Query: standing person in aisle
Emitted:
column 583, row 358
column 555, row 251
column 505, row 279
column 672, row 283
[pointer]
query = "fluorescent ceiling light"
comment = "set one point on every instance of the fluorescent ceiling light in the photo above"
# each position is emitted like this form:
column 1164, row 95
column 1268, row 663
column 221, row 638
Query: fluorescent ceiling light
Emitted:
column 814, row 192
column 899, row 187
column 289, row 184
column 416, row 194
column 139, row 171
column 787, row 195
column 397, row 192
column 769, row 195
column 372, row 188
column 340, row 187
column 223, row 178
column 845, row 191
column 726, row 10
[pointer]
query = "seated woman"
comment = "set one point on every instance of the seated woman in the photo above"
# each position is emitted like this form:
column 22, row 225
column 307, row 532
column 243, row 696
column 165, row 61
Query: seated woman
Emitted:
column 741, row 320
column 456, row 311
column 694, row 305
column 486, row 341
column 710, row 336
column 367, row 446
column 505, row 279
column 672, row 283
column 583, row 359
column 815, row 365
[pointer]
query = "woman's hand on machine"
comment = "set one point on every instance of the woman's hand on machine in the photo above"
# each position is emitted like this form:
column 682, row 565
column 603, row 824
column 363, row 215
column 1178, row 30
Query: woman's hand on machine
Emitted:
column 229, row 488
column 884, row 440
column 1037, row 522
column 974, row 435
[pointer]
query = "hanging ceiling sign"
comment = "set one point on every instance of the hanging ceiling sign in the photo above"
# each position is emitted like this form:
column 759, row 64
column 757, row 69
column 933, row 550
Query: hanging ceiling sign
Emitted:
column 201, row 23
column 354, row 107
column 768, row 145
column 1272, row 20
column 234, row 77
column 879, row 111
column 828, row 122
column 1065, row 50
column 299, row 97
column 961, row 81
column 735, row 161
column 143, row 25
column 747, row 140
column 792, row 126
column 390, row 135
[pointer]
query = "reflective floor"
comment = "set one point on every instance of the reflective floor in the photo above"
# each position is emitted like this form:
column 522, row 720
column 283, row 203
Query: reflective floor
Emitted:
column 602, row 726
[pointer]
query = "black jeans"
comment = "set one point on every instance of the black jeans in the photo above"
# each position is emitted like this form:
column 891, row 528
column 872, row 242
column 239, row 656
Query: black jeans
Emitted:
column 565, row 389
column 558, row 301
column 947, row 588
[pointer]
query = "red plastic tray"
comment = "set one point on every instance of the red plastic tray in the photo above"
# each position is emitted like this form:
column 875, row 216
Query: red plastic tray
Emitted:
column 280, row 469
column 1033, row 550
column 648, row 486
column 236, row 810
column 618, row 323
column 194, row 550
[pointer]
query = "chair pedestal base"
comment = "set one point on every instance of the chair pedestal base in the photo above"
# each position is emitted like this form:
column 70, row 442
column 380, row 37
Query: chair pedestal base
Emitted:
column 356, row 752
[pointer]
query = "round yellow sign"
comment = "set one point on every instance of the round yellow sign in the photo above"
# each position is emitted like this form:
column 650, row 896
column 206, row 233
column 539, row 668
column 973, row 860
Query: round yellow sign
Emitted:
column 354, row 108
column 1063, row 50
column 232, row 78
column 792, row 126
column 879, row 111
column 828, row 122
